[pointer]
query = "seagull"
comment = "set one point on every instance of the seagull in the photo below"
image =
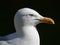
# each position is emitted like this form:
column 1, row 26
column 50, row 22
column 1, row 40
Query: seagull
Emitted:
column 25, row 21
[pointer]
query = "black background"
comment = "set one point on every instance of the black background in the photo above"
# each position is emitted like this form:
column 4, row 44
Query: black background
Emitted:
column 49, row 34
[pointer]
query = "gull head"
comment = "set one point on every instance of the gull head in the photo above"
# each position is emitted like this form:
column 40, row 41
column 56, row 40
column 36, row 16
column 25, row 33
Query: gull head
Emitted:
column 28, row 16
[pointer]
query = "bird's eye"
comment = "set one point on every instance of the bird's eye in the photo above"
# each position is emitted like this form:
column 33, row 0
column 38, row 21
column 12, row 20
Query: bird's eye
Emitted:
column 31, row 14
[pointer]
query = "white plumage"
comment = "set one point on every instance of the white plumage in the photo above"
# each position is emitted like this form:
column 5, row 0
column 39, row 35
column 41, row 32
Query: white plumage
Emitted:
column 25, row 21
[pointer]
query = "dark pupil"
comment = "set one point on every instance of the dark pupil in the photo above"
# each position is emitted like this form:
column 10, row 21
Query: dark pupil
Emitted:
column 31, row 14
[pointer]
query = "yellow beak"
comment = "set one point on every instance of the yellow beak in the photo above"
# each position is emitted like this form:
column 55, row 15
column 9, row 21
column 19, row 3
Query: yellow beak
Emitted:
column 47, row 20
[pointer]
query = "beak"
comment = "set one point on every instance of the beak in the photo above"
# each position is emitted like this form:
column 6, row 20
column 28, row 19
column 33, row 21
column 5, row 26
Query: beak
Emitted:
column 47, row 20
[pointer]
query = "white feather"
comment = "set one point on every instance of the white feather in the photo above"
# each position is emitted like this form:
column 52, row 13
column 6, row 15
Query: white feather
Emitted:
column 26, row 33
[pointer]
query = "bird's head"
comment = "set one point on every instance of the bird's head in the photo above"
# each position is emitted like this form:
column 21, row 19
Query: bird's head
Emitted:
column 29, row 16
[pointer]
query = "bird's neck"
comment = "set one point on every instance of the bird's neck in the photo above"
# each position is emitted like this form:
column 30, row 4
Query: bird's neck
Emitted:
column 26, row 30
column 29, row 33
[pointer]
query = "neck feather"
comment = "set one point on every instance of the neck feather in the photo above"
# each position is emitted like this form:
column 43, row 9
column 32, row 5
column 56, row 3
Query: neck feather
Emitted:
column 27, row 31
column 30, row 34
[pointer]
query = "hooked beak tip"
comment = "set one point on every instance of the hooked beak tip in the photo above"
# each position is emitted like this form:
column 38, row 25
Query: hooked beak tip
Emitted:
column 47, row 20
